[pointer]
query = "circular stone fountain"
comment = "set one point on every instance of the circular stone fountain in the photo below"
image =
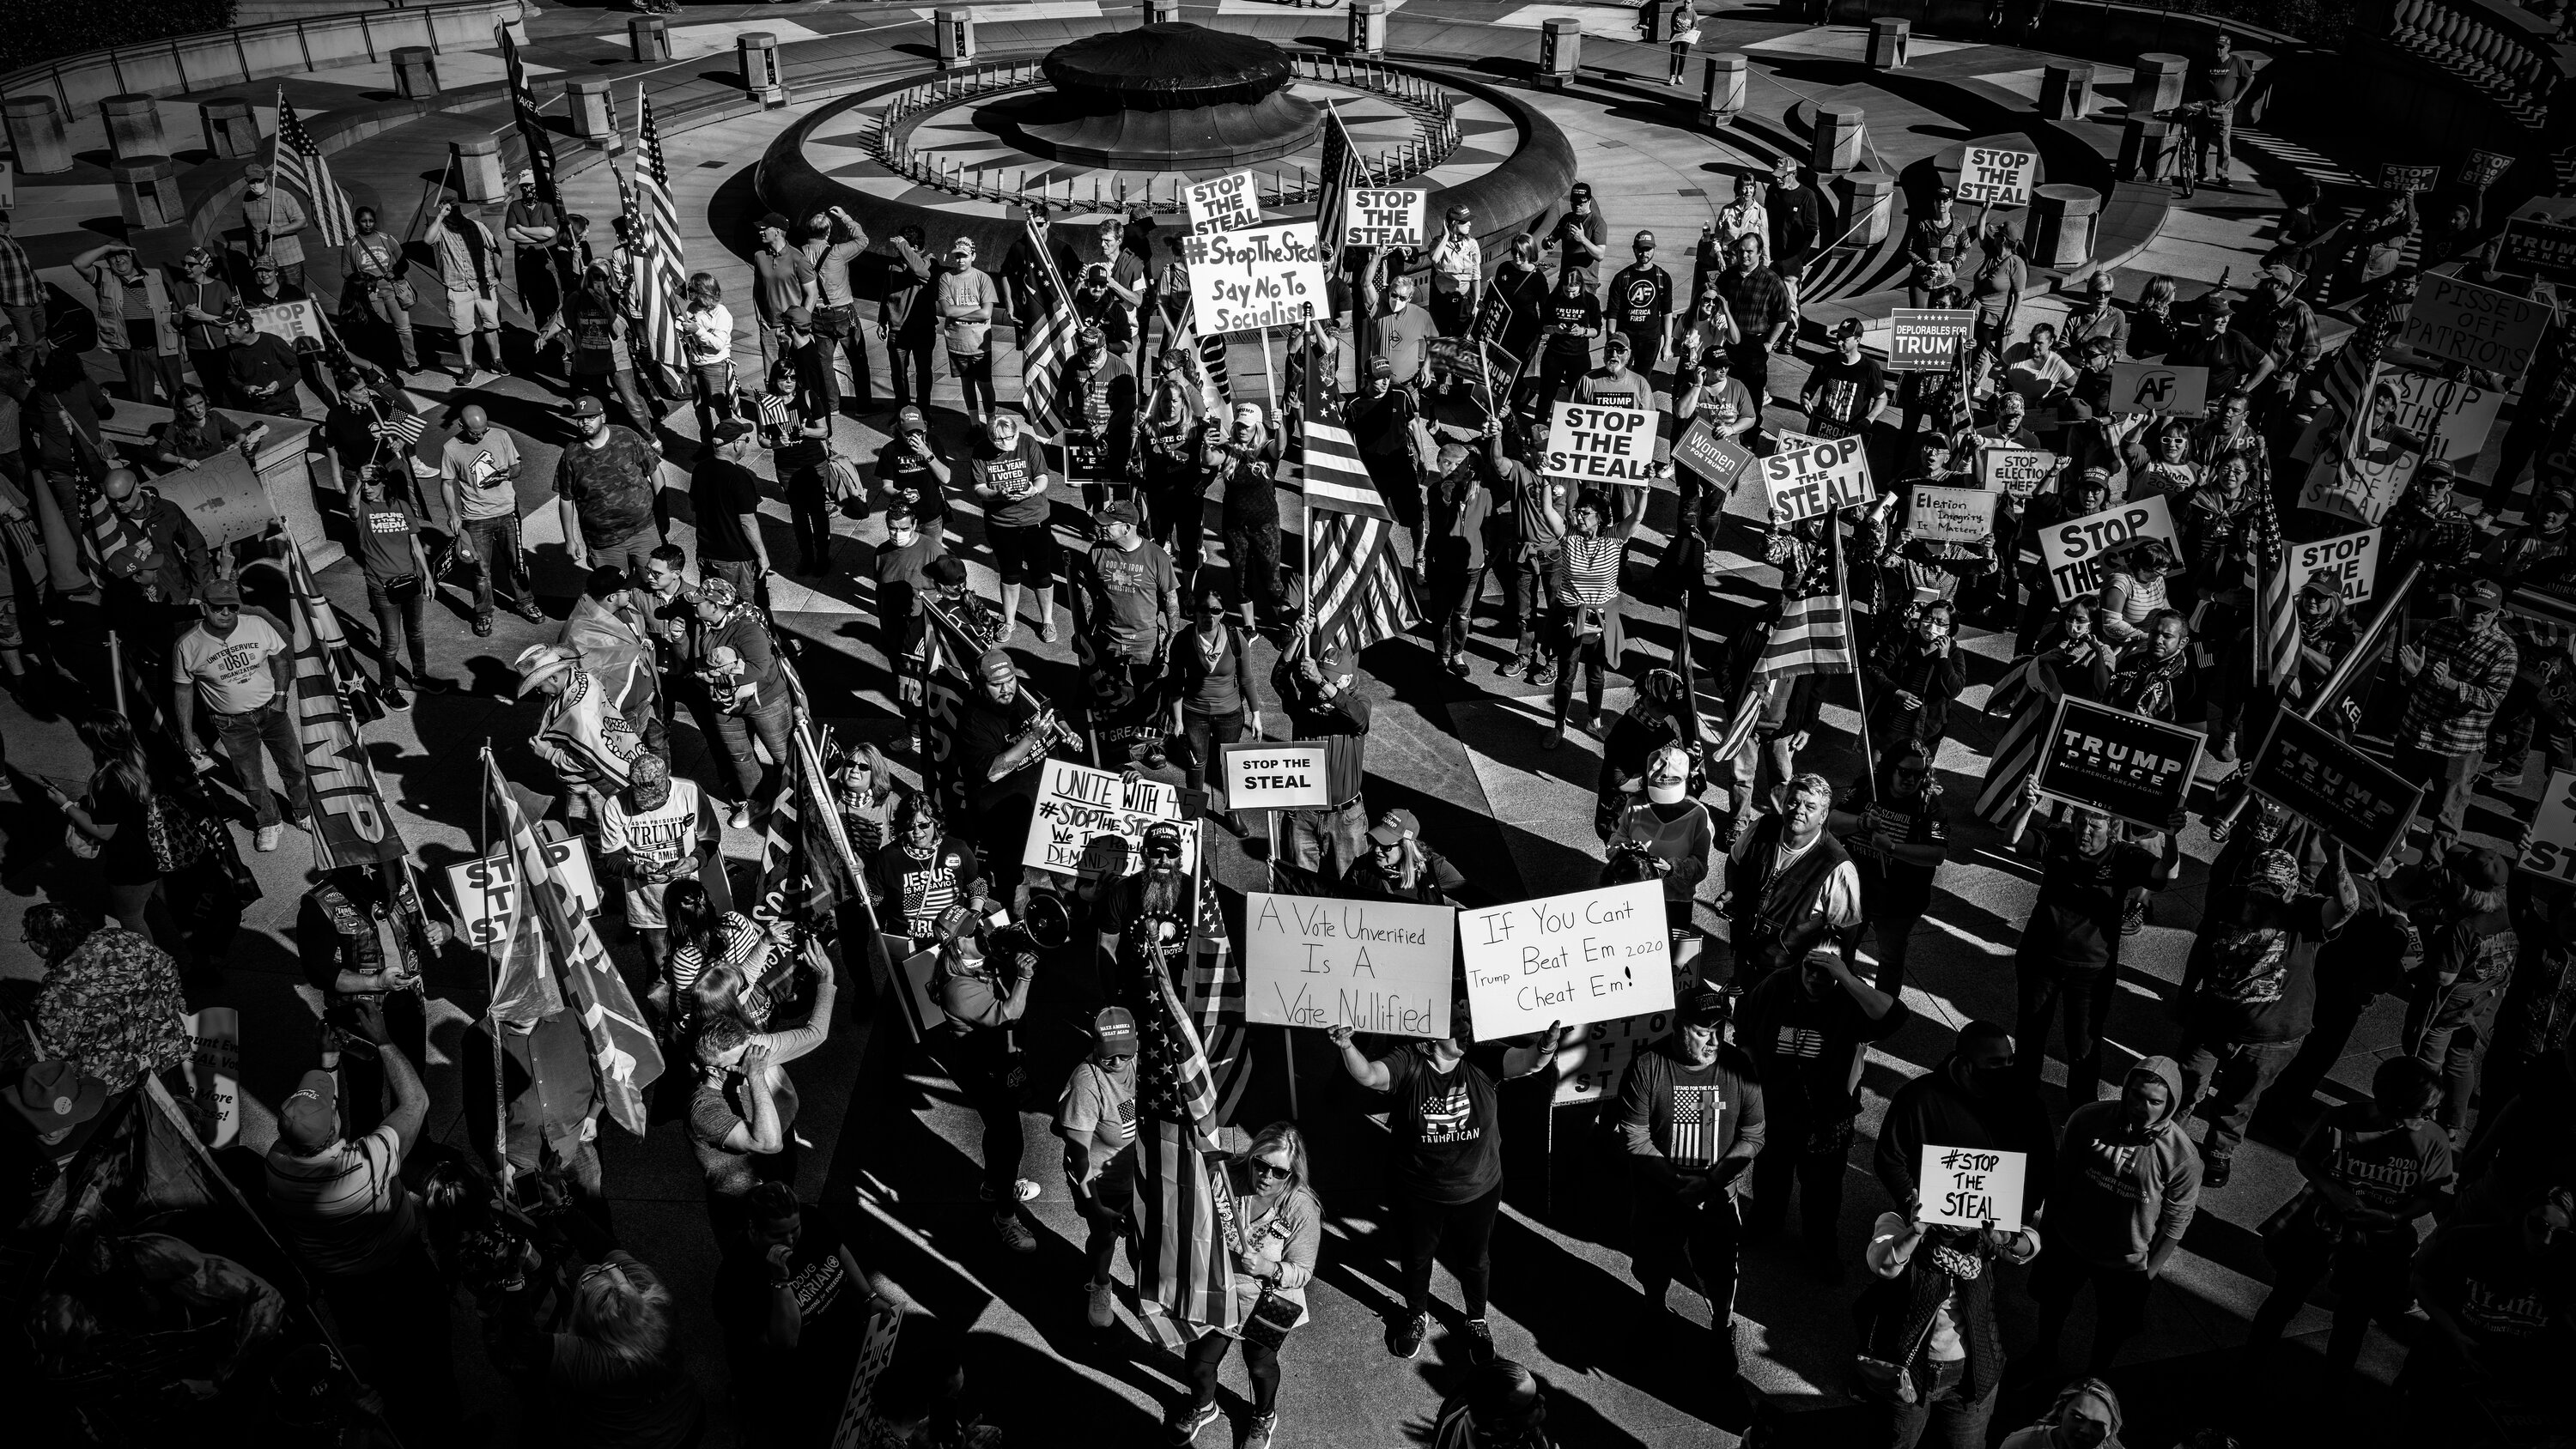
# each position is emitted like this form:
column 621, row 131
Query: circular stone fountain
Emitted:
column 1169, row 97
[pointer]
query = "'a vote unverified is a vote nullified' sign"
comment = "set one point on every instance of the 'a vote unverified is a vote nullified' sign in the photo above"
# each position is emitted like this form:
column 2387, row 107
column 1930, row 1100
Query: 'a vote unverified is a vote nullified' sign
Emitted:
column 1594, row 443
column 1988, row 173
column 2549, row 847
column 488, row 896
column 1826, row 476
column 1576, row 959
column 1268, row 776
column 1924, row 341
column 2153, row 387
column 2351, row 560
column 2073, row 549
column 1385, row 216
column 1077, row 802
column 1379, row 966
column 1223, row 203
column 1262, row 276
column 2460, row 321
column 1950, row 515
column 1972, row 1187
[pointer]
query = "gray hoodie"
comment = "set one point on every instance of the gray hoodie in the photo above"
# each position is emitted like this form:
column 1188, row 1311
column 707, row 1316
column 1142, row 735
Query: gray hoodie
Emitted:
column 2120, row 1189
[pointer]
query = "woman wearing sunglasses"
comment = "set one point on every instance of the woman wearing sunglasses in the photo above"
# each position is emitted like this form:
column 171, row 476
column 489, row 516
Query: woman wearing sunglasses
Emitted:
column 1273, row 1225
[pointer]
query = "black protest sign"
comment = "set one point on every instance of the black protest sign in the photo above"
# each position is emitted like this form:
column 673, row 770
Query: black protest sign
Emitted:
column 2355, row 799
column 1460, row 357
column 1718, row 460
column 2125, row 765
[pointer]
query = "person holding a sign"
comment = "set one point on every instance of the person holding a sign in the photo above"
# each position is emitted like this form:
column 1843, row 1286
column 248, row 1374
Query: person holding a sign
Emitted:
column 2457, row 677
column 1931, row 1351
column 1398, row 331
column 1690, row 1115
column 2128, row 1183
column 983, row 980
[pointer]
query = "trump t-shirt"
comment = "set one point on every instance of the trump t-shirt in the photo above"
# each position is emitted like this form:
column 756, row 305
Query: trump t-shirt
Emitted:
column 1446, row 1147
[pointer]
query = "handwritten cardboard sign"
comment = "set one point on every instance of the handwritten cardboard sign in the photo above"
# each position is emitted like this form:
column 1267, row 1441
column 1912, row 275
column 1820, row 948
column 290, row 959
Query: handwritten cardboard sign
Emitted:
column 2467, row 410
column 1227, row 203
column 1989, row 173
column 2462, row 322
column 1268, row 776
column 214, row 1071
column 1972, row 1187
column 1824, row 477
column 1575, row 959
column 1077, row 802
column 2020, row 472
column 2073, row 550
column 1597, row 443
column 1950, row 515
column 1262, row 276
column 2351, row 560
column 1927, row 341
column 487, row 891
column 2158, row 389
column 1385, row 216
column 1378, row 966
column 2549, row 847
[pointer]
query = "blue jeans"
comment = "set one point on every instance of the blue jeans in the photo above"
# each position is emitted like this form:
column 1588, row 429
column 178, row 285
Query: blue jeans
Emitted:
column 496, row 550
column 243, row 735
column 2233, row 1075
column 398, row 633
column 1330, row 840
column 770, row 721
column 1962, row 1420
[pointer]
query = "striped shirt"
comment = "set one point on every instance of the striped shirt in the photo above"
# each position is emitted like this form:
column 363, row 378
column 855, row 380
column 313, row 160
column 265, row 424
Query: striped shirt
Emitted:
column 345, row 1207
column 1588, row 569
column 2454, row 720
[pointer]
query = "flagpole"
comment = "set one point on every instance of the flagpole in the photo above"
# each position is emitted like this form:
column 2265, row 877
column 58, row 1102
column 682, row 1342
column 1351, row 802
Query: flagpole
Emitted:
column 831, row 812
column 2390, row 613
column 1860, row 690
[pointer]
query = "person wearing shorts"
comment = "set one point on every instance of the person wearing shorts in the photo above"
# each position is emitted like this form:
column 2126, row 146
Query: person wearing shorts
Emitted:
column 965, row 299
column 1097, row 1120
column 468, row 269
column 1010, row 479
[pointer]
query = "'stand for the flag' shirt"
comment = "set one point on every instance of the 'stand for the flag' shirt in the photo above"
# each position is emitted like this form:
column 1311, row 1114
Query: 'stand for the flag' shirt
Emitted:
column 659, row 837
column 1444, row 1123
column 1698, row 1108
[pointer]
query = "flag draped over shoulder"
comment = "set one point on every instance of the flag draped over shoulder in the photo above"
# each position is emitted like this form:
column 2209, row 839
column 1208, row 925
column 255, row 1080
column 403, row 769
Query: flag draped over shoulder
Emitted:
column 662, row 289
column 1358, row 589
column 344, row 806
column 624, row 1058
column 299, row 164
column 1049, row 344
column 1184, row 1275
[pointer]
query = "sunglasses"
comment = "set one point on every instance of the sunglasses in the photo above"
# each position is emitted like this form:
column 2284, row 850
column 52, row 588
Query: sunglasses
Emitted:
column 1163, row 853
column 1268, row 1171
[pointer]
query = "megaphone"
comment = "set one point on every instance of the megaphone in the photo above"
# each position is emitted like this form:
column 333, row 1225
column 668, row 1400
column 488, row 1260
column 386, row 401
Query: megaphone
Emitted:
column 1046, row 922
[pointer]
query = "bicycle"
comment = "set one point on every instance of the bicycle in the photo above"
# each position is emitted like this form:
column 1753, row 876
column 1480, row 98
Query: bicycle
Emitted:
column 2199, row 130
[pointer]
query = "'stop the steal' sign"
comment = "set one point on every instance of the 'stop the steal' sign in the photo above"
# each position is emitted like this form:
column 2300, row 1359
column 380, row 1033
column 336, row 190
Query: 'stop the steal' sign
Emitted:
column 2002, row 177
column 1574, row 959
column 1972, row 1187
column 1385, row 216
column 1376, row 966
column 1269, row 776
column 1823, row 477
column 1077, row 802
column 488, row 895
column 2460, row 321
column 2351, row 560
column 2409, row 178
column 2549, row 848
column 294, row 321
column 1263, row 276
column 1228, row 203
column 2073, row 550
column 1596, row 443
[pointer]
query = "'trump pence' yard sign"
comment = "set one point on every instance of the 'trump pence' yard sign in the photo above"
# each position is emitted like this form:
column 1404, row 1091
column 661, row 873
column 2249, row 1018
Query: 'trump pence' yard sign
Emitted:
column 1971, row 1187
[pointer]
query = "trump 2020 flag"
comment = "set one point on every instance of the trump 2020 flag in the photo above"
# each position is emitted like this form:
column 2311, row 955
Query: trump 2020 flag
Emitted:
column 343, row 803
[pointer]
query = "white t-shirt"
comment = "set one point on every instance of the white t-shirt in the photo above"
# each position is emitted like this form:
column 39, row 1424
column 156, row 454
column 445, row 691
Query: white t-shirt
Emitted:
column 657, row 837
column 231, row 674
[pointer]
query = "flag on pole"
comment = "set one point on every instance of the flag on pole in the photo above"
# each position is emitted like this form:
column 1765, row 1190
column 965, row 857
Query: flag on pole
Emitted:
column 803, row 872
column 344, row 806
column 624, row 1059
column 1210, row 352
column 1813, row 636
column 1359, row 590
column 664, row 284
column 1184, row 1273
column 299, row 163
column 532, row 127
column 2015, row 759
column 1338, row 170
column 1049, row 343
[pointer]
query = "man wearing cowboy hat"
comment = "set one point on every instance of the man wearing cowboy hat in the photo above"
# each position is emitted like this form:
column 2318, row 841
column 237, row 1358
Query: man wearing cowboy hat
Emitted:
column 276, row 223
column 590, row 744
column 59, row 1104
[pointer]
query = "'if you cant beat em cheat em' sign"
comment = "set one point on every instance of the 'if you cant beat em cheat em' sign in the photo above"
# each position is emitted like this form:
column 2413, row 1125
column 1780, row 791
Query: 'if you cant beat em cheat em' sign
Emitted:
column 1572, row 959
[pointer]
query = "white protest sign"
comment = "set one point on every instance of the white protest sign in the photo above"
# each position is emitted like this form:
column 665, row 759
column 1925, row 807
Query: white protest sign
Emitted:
column 2360, row 474
column 1593, row 442
column 1989, row 173
column 1263, row 276
column 8, row 184
column 2073, row 549
column 2159, row 390
column 1381, row 966
column 1385, row 216
column 294, row 321
column 1588, row 1070
column 1950, row 515
column 2467, row 411
column 2020, row 472
column 2549, row 848
column 1822, row 477
column 214, row 1071
column 1269, row 776
column 1971, row 1187
column 1573, row 959
column 487, row 890
column 2351, row 560
column 859, row 1425
column 1077, row 802
column 1228, row 203
column 2463, row 322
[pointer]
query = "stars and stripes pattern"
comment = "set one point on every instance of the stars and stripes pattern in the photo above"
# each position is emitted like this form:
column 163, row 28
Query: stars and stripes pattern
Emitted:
column 1357, row 588
column 1215, row 384
column 623, row 1056
column 298, row 162
column 1696, row 1111
column 665, row 281
column 1812, row 637
column 1339, row 171
column 804, row 871
column 2015, row 757
column 1184, row 1275
column 1214, row 994
column 405, row 429
column 1048, row 347
column 344, row 805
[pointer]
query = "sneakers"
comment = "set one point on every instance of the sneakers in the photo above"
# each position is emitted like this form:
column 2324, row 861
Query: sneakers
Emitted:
column 1258, row 1433
column 1022, row 1190
column 392, row 697
column 1555, row 737
column 530, row 612
column 2215, row 1170
column 423, row 682
column 265, row 839
column 1186, row 1421
column 1404, row 1336
column 1543, row 673
column 1097, row 1302
column 2133, row 918
column 2499, row 780
column 483, row 625
column 1520, row 665
column 1480, row 1342
column 1014, row 1232
column 1048, row 633
column 738, row 815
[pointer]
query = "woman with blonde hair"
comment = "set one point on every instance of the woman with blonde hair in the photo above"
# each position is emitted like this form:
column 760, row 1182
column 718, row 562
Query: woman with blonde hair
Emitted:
column 706, row 340
column 617, row 1376
column 1273, row 1226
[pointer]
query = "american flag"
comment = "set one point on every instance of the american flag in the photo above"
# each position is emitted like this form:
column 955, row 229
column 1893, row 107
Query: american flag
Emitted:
column 1357, row 589
column 299, row 162
column 1812, row 637
column 404, row 428
column 1340, row 171
column 1049, row 343
column 1214, row 384
column 1184, row 1275
column 1696, row 1113
column 2276, row 620
column 803, row 873
column 2015, row 756
column 665, row 282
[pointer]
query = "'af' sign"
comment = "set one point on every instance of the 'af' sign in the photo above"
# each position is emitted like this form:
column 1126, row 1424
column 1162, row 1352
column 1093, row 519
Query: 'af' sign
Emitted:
column 1597, row 443
column 2550, row 847
column 2351, row 560
column 1921, row 341
column 1824, row 477
column 2489, row 330
column 1228, row 203
column 2073, row 550
column 2001, row 177
column 1385, row 217
column 2125, row 765
column 2153, row 387
column 1972, row 1187
column 2359, row 801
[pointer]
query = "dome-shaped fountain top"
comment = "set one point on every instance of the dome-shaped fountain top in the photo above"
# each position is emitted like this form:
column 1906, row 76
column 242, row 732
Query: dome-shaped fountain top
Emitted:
column 1167, row 67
